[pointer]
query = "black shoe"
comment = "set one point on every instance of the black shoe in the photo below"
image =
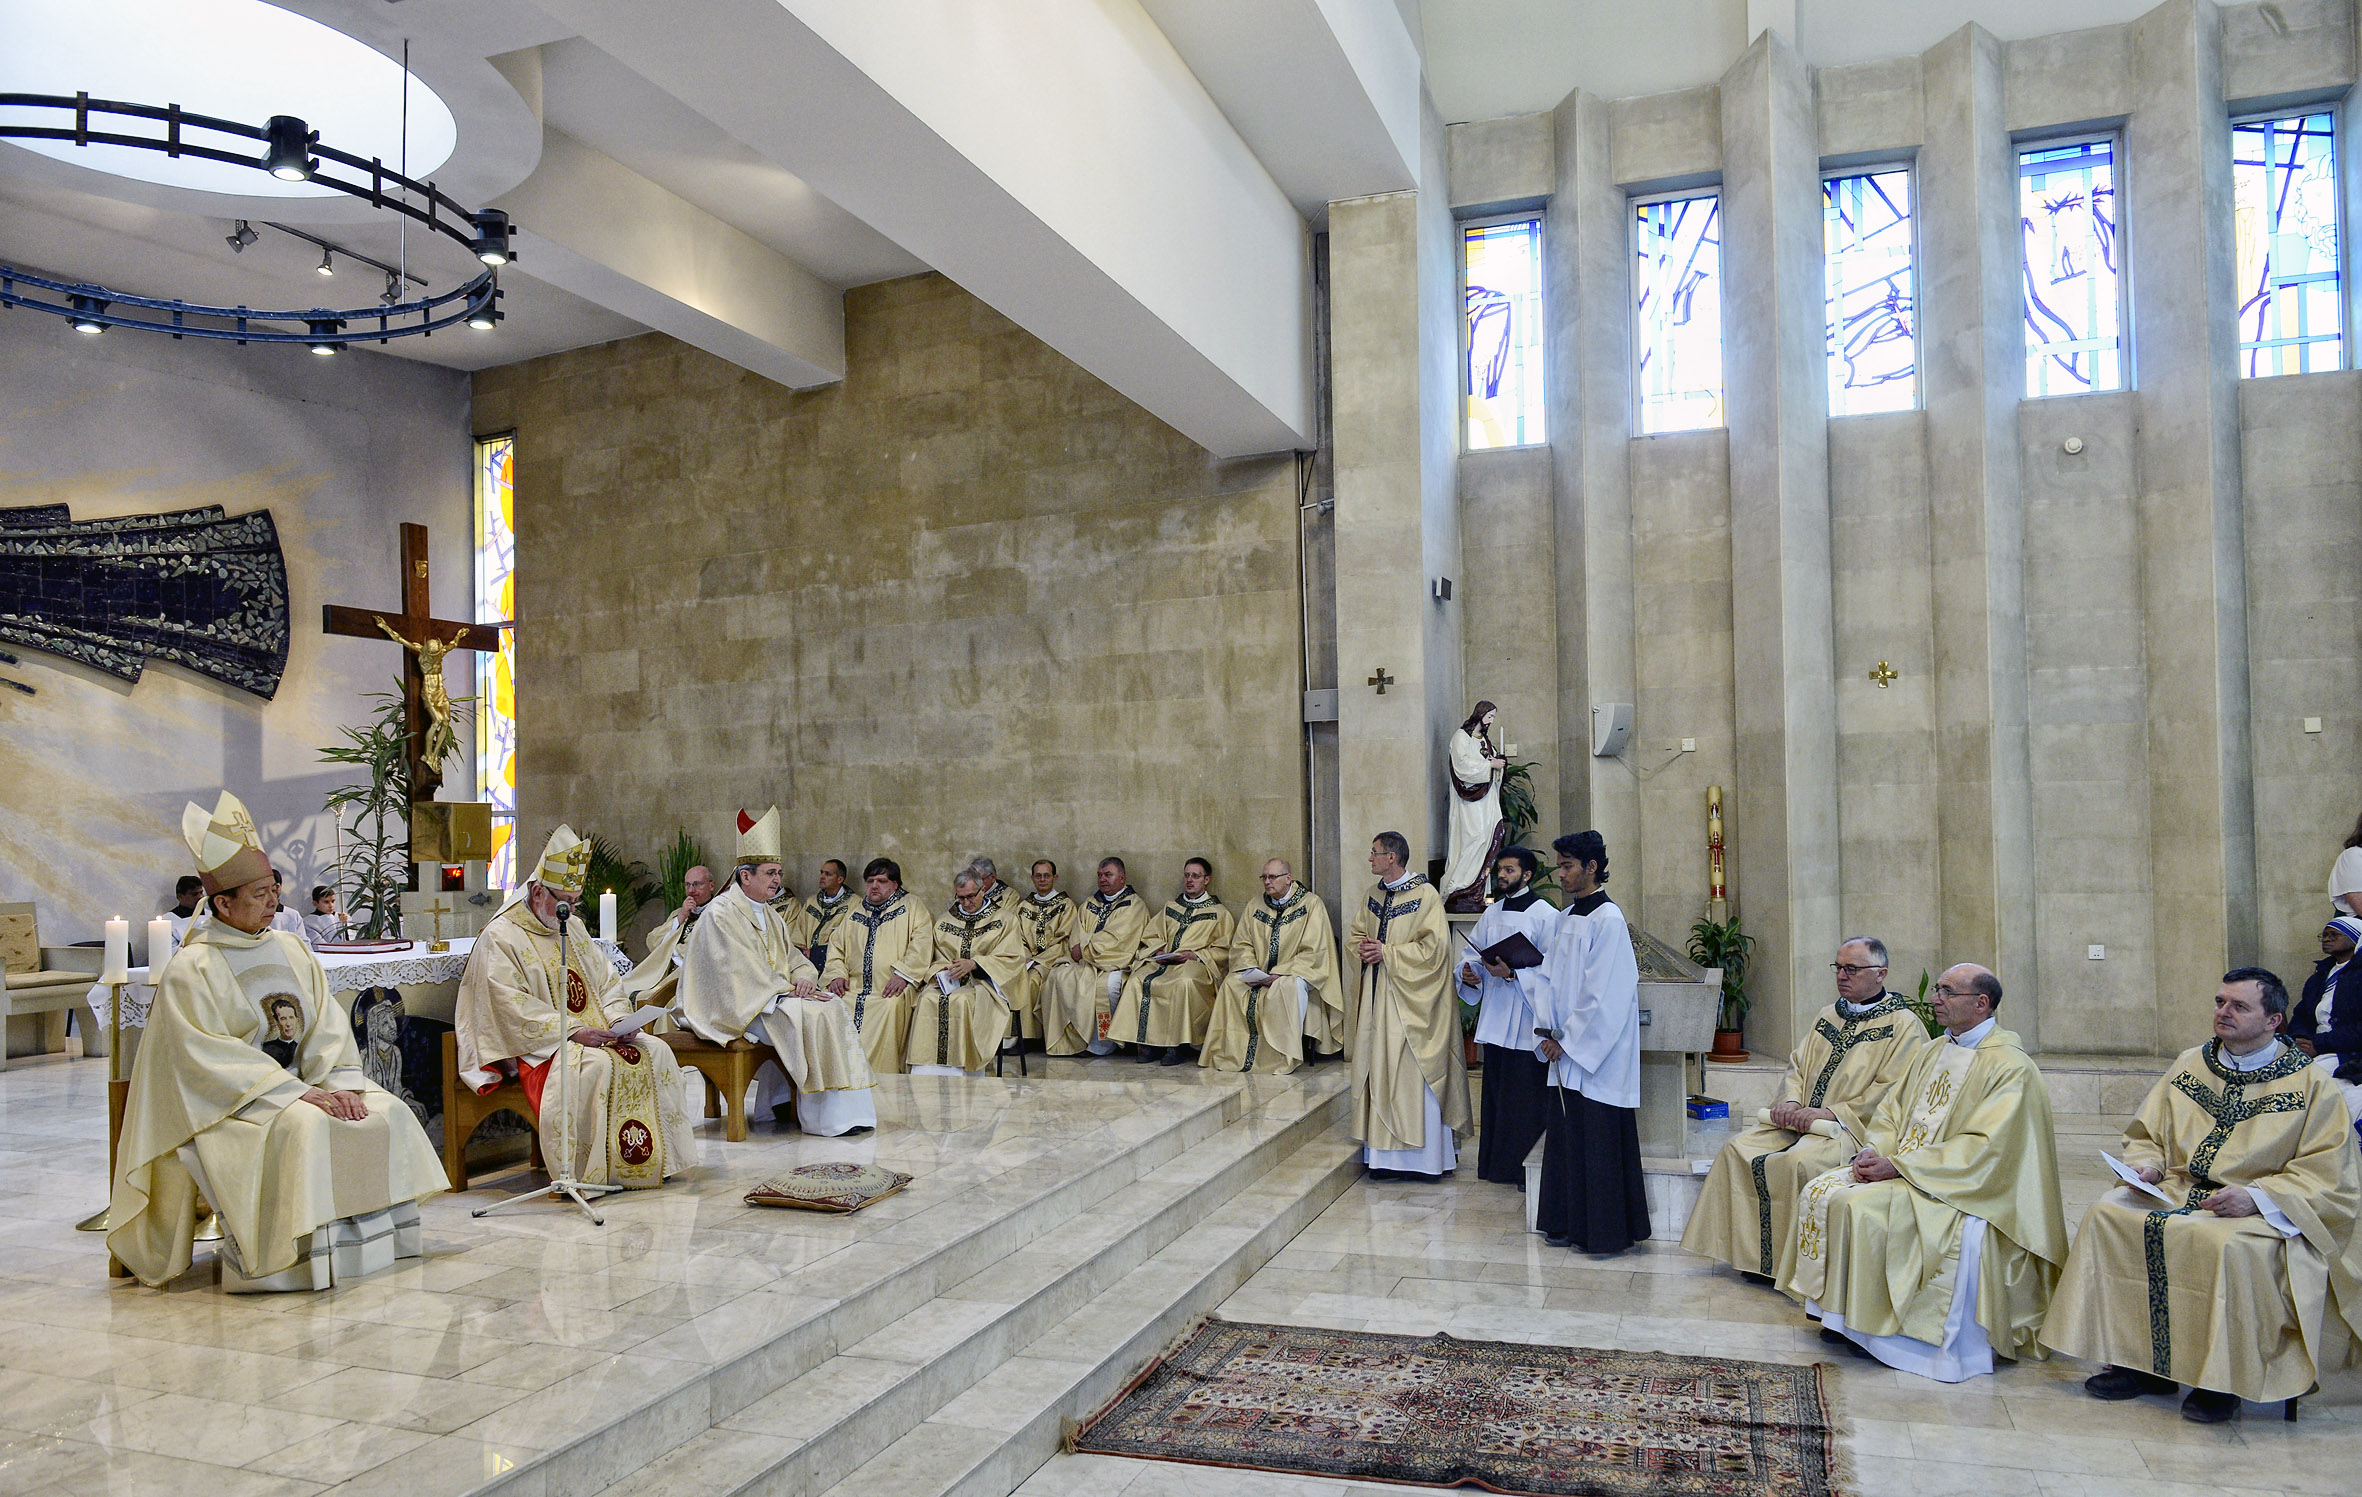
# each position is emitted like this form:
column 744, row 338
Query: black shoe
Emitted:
column 1147, row 1054
column 1839, row 1339
column 2204, row 1406
column 1175, row 1056
column 2116, row 1384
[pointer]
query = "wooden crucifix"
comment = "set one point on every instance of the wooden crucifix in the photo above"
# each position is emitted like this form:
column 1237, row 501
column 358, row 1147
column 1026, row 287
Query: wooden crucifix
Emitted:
column 426, row 704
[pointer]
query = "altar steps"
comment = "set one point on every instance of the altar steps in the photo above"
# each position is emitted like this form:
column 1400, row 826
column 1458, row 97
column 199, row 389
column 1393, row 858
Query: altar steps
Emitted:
column 942, row 1380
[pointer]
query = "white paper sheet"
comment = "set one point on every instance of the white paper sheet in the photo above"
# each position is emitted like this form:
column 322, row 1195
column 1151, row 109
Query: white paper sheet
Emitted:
column 639, row 1018
column 2132, row 1177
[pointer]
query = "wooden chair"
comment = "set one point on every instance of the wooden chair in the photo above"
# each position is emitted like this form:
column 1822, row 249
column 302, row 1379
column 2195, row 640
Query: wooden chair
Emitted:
column 464, row 1108
column 728, row 1071
column 32, row 990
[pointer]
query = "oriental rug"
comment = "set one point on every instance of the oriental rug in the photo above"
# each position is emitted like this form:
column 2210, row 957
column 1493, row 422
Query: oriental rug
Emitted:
column 1553, row 1421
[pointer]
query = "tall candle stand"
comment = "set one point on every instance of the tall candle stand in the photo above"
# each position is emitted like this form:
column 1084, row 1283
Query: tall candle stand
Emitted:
column 118, row 1089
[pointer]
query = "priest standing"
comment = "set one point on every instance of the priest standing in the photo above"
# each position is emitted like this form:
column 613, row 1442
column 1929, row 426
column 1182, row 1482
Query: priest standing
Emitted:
column 1410, row 1082
column 1587, row 1005
column 625, row 1117
column 1078, row 996
column 744, row 977
column 1936, row 1249
column 816, row 919
column 2248, row 1282
column 1517, row 1101
column 280, row 1150
column 960, row 1016
column 1282, row 989
column 882, row 947
column 1855, row 1052
column 1170, row 990
column 1045, row 924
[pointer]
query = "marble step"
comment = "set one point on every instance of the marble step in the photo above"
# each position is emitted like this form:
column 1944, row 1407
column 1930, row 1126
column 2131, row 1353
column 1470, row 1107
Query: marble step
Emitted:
column 815, row 1429
column 987, row 1441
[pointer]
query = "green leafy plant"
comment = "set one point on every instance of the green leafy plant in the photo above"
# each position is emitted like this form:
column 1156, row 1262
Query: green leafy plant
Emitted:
column 1517, row 800
column 629, row 879
column 1924, row 1009
column 672, row 869
column 1726, row 946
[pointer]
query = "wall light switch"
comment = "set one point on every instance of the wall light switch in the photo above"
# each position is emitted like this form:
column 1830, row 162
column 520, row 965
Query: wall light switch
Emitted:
column 2096, row 952
column 2312, row 725
column 1689, row 745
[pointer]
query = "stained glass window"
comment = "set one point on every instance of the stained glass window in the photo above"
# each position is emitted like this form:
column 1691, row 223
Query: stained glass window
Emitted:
column 2074, row 301
column 1502, row 310
column 1873, row 312
column 1677, row 283
column 496, row 697
column 2284, row 229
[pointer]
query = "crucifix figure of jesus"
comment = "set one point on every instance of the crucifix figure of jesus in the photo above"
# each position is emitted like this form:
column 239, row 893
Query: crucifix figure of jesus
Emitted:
column 426, row 640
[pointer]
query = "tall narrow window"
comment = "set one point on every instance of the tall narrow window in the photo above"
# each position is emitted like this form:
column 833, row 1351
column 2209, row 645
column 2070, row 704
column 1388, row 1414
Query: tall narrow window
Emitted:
column 1873, row 309
column 2284, row 228
column 496, row 695
column 1502, row 301
column 1677, row 285
column 2074, row 295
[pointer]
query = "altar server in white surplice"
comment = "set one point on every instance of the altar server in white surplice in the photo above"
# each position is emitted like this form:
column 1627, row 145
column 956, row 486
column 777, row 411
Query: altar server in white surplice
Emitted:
column 742, row 975
column 248, row 1086
column 1516, row 1079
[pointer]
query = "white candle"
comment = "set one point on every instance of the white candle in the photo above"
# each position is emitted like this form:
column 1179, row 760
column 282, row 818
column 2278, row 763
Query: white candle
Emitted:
column 159, row 946
column 118, row 951
column 607, row 915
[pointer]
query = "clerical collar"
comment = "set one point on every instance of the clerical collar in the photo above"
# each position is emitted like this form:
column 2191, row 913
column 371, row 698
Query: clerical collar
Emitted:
column 839, row 897
column 1050, row 898
column 1118, row 894
column 1853, row 1010
column 881, row 903
column 1282, row 902
column 983, row 906
column 1588, row 902
column 1395, row 884
column 1197, row 898
column 1521, row 901
column 1970, row 1039
column 2255, row 1060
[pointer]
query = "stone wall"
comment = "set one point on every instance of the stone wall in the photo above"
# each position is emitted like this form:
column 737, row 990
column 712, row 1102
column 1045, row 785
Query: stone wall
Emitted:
column 93, row 772
column 970, row 600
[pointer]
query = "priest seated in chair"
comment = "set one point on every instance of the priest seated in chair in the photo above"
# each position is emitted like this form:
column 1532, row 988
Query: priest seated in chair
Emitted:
column 743, row 976
column 961, row 1013
column 312, row 1168
column 625, row 1117
column 2246, row 1282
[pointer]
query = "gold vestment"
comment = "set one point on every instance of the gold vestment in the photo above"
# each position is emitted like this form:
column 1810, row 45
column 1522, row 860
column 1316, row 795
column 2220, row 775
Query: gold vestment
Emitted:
column 1407, row 1024
column 872, row 946
column 1258, row 1029
column 965, row 1027
column 1166, row 1003
column 1044, row 926
column 1075, row 1002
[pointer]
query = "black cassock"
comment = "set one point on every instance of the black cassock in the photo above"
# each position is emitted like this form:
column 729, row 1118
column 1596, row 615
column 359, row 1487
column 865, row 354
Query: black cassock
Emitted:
column 1517, row 1108
column 1592, row 1195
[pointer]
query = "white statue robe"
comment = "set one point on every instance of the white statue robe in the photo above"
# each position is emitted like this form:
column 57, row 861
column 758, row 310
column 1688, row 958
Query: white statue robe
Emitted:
column 1476, row 824
column 738, row 976
column 275, row 1167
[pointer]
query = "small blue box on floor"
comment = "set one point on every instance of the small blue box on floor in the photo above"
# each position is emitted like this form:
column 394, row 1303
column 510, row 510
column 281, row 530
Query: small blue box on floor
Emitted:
column 1703, row 1108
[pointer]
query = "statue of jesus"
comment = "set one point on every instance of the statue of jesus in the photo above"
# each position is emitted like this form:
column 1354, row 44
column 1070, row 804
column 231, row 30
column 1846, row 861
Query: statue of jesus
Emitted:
column 1477, row 828
column 435, row 745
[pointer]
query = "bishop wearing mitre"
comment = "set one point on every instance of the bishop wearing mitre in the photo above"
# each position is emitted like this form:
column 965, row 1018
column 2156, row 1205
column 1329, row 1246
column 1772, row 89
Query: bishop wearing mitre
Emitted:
column 2246, row 1281
column 960, row 1014
column 1936, row 1248
column 744, row 977
column 1078, row 998
column 610, row 1108
column 282, row 1150
column 1410, row 1082
column 1851, row 1057
column 1281, row 987
column 1170, row 992
column 1045, row 924
column 884, row 948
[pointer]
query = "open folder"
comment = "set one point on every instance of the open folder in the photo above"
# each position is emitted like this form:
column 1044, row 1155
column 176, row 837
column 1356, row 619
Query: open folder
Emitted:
column 1513, row 951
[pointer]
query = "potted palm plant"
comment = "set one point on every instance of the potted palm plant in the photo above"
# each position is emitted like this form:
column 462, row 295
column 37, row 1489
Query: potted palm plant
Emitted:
column 1723, row 944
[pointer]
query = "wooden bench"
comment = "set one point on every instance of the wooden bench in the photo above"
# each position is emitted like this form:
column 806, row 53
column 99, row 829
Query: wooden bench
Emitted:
column 729, row 1070
column 464, row 1107
column 34, row 998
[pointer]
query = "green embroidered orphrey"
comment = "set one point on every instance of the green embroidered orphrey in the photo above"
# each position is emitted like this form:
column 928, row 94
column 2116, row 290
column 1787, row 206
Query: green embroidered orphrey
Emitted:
column 1841, row 1044
column 1276, row 917
column 969, row 928
column 1184, row 917
column 2229, row 1108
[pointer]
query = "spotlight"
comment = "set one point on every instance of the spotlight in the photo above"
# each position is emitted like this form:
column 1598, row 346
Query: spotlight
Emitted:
column 241, row 236
column 393, row 289
column 324, row 328
column 87, row 311
column 491, row 242
column 484, row 318
column 327, row 265
column 287, row 149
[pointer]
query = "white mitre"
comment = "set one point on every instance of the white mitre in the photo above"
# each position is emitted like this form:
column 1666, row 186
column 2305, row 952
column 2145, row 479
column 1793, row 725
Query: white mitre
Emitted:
column 225, row 844
column 758, row 841
column 565, row 862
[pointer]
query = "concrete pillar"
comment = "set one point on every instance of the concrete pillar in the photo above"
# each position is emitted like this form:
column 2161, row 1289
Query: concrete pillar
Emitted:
column 2202, row 798
column 1972, row 376
column 1775, row 373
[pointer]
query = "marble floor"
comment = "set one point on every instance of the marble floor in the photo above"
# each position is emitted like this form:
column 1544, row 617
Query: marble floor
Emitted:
column 523, row 1334
column 1418, row 1259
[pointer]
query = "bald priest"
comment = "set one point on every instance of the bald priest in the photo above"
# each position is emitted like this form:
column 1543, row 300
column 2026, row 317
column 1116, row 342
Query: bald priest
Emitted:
column 2246, row 1281
column 283, row 1150
column 744, row 977
column 525, row 1010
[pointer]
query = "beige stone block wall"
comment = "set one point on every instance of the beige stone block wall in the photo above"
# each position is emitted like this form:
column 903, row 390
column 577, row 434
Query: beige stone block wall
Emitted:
column 970, row 600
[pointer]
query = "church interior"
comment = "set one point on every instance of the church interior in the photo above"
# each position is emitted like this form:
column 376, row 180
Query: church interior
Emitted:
column 1166, row 502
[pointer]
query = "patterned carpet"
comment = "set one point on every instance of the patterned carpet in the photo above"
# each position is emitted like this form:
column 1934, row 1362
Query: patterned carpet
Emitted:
column 1553, row 1421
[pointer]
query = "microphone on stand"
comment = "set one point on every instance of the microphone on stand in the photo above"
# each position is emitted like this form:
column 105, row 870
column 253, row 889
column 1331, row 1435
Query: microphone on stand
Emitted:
column 565, row 911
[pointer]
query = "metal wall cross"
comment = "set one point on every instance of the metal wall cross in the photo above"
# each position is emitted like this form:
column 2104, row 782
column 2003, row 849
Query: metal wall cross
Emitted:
column 1381, row 680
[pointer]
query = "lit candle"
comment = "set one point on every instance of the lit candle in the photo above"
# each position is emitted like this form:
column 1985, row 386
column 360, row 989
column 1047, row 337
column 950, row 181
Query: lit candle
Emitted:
column 159, row 946
column 607, row 915
column 118, row 951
